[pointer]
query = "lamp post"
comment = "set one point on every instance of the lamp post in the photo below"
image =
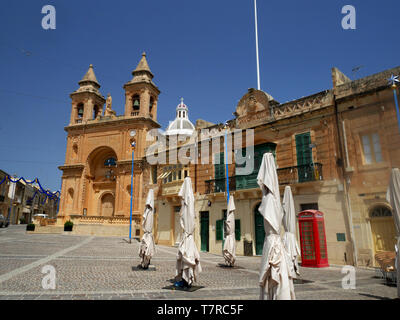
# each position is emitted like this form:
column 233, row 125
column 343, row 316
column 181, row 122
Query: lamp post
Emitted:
column 226, row 160
column 133, row 144
column 392, row 81
column 227, row 182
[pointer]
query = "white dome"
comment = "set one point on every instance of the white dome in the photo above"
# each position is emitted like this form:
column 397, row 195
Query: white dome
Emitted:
column 181, row 125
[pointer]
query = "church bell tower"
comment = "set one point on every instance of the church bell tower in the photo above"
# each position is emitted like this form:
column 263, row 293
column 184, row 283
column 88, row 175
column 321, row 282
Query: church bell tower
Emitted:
column 141, row 94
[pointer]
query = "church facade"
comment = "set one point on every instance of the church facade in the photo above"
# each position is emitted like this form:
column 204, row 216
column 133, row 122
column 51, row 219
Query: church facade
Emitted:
column 96, row 180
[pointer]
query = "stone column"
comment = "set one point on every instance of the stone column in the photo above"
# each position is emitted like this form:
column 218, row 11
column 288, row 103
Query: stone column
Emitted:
column 128, row 105
column 74, row 113
column 154, row 111
column 144, row 102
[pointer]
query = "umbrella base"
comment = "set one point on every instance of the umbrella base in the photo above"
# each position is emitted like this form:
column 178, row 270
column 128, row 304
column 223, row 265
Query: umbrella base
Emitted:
column 140, row 268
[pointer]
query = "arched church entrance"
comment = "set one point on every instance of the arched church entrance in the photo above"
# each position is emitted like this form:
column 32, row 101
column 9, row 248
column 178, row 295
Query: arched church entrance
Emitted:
column 100, row 182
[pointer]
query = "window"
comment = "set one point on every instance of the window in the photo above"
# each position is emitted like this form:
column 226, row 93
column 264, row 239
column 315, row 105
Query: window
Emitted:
column 151, row 104
column 136, row 102
column 305, row 171
column 80, row 110
column 381, row 212
column 173, row 173
column 309, row 206
column 95, row 111
column 154, row 174
column 110, row 162
column 371, row 148
column 250, row 181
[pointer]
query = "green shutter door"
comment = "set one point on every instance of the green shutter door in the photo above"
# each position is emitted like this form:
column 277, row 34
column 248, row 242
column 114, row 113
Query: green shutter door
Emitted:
column 219, row 231
column 237, row 229
column 204, row 227
column 219, row 173
column 250, row 181
column 304, row 157
column 259, row 231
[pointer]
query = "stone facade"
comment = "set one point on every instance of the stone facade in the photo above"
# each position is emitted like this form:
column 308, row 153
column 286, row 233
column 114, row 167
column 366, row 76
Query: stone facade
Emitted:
column 96, row 180
column 334, row 148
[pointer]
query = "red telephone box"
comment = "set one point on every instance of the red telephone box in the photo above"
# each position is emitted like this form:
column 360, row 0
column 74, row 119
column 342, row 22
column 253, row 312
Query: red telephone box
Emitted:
column 313, row 239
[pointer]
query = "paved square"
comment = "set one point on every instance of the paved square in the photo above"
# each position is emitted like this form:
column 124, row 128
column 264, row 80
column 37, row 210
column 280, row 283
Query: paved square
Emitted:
column 101, row 268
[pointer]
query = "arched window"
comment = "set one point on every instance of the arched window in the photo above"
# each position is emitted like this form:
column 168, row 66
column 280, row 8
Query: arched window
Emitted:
column 95, row 111
column 380, row 211
column 136, row 102
column 80, row 110
column 110, row 162
column 151, row 104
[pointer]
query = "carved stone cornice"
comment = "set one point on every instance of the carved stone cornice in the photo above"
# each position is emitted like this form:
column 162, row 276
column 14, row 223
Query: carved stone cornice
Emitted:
column 137, row 164
column 119, row 120
column 72, row 167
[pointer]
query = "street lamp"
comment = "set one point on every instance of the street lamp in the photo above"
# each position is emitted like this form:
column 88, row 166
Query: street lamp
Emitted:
column 133, row 144
column 393, row 80
column 226, row 127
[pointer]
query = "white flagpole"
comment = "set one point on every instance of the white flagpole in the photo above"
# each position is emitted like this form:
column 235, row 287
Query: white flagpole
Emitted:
column 258, row 61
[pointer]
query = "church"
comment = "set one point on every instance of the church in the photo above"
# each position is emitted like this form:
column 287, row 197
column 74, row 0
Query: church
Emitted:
column 334, row 148
column 96, row 179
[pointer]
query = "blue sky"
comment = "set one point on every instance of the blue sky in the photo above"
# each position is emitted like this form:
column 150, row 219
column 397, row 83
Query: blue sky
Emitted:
column 201, row 50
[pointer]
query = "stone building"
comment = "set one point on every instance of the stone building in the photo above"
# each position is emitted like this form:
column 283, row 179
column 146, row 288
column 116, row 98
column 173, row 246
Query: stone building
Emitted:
column 27, row 201
column 96, row 180
column 334, row 148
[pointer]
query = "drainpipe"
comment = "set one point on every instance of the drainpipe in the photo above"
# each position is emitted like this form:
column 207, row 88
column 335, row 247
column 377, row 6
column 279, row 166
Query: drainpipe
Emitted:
column 347, row 202
column 347, row 195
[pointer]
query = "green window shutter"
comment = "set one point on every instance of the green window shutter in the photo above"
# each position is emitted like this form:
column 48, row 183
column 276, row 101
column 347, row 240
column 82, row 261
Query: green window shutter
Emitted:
column 303, row 151
column 219, row 230
column 237, row 230
column 304, row 157
column 219, row 173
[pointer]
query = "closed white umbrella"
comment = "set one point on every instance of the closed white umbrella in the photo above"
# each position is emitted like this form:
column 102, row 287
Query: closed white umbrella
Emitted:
column 289, row 223
column 393, row 196
column 230, row 243
column 188, row 258
column 276, row 273
column 147, row 247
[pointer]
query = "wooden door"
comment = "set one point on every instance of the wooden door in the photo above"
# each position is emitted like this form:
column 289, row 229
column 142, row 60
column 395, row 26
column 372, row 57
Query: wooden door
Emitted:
column 383, row 233
column 107, row 205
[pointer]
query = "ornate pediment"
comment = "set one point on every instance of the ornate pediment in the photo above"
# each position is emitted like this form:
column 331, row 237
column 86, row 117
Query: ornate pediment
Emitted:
column 253, row 101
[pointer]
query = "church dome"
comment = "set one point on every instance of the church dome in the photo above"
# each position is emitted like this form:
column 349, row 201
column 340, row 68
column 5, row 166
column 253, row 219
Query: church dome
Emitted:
column 181, row 125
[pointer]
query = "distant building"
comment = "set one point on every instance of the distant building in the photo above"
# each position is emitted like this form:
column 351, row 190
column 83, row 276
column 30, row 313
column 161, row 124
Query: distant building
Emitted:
column 27, row 201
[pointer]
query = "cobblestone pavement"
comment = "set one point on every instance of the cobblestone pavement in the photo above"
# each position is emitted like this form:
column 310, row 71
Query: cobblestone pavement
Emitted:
column 102, row 268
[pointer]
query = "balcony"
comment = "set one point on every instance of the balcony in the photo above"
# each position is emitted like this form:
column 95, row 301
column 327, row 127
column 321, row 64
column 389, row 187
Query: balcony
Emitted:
column 286, row 176
column 134, row 113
